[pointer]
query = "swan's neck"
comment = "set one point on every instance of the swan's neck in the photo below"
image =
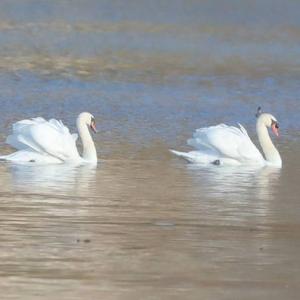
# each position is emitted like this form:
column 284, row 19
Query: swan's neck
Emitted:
column 89, row 149
column 271, row 153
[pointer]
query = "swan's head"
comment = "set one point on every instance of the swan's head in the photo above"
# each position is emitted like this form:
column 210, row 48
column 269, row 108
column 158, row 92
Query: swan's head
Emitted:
column 269, row 121
column 88, row 120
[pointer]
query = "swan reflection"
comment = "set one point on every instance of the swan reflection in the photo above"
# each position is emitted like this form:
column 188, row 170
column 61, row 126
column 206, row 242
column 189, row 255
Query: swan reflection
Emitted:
column 235, row 195
column 233, row 180
column 53, row 178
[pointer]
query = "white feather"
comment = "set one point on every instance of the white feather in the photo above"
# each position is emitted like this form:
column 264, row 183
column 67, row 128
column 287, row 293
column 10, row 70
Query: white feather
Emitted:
column 227, row 144
column 50, row 141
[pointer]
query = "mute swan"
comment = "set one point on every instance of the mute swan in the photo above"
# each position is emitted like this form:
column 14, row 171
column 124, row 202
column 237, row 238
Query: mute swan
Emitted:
column 41, row 141
column 229, row 145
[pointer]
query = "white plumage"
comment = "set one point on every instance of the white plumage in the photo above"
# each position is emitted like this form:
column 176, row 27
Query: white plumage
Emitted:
column 41, row 141
column 222, row 144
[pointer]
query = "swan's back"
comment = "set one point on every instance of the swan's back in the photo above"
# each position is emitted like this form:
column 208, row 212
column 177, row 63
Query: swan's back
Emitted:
column 228, row 142
column 48, row 138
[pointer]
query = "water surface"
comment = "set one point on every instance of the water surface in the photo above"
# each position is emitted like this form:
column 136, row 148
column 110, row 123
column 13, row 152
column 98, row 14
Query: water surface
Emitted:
column 144, row 224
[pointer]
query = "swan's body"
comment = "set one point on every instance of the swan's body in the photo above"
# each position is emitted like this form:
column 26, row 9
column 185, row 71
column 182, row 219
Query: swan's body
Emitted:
column 229, row 145
column 41, row 141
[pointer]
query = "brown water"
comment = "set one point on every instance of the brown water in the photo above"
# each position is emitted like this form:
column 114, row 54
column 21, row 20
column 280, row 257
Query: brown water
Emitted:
column 144, row 224
column 149, row 229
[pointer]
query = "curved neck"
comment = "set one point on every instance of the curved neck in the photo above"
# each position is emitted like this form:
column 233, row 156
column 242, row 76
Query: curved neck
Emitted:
column 271, row 153
column 89, row 150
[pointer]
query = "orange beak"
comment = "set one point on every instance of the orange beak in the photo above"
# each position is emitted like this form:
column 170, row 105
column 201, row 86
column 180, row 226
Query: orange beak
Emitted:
column 275, row 129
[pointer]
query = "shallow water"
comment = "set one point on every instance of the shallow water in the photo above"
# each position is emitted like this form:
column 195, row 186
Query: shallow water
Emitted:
column 144, row 224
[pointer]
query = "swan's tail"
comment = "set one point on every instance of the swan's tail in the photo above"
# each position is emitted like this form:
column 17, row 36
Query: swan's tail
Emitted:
column 9, row 157
column 192, row 156
column 180, row 154
column 198, row 157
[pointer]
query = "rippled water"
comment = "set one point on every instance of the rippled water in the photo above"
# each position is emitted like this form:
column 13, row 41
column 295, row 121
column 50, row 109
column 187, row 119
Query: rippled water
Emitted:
column 144, row 224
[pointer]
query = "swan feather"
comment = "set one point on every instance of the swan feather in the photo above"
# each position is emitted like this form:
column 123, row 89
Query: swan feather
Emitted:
column 44, row 137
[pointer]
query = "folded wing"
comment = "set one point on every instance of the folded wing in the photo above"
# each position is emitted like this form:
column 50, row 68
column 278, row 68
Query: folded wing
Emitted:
column 44, row 137
column 227, row 142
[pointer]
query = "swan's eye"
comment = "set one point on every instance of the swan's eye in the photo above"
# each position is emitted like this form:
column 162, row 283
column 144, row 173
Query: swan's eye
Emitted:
column 275, row 124
column 93, row 125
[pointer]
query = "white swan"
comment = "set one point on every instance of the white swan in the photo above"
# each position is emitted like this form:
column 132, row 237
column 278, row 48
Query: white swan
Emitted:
column 229, row 145
column 41, row 141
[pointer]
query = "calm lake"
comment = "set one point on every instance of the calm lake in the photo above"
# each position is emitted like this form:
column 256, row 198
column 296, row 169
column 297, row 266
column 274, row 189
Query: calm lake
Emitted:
column 145, row 224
